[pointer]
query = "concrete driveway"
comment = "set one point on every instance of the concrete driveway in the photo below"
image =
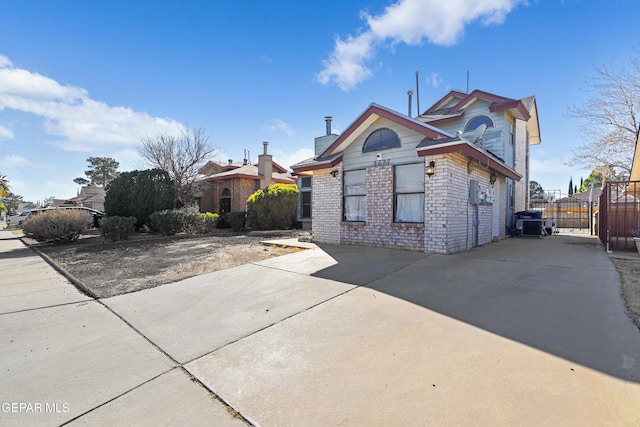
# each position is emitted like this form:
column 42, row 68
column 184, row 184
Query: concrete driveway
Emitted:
column 519, row 332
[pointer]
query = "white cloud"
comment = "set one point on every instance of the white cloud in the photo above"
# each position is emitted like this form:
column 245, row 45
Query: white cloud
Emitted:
column 5, row 132
column 4, row 61
column 15, row 161
column 277, row 125
column 287, row 159
column 409, row 22
column 266, row 58
column 434, row 79
column 77, row 122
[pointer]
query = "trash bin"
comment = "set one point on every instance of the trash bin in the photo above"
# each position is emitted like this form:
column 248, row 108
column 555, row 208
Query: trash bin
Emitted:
column 529, row 223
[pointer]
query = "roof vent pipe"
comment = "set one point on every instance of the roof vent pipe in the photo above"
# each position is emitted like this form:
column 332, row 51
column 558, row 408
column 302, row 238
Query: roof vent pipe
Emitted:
column 410, row 93
column 265, row 143
column 328, row 120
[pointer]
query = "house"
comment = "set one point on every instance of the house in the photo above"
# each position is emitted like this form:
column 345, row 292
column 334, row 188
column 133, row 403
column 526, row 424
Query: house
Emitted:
column 447, row 180
column 226, row 187
column 89, row 196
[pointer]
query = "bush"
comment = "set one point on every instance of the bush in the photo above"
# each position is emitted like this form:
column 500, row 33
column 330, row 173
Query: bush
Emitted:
column 139, row 194
column 117, row 228
column 236, row 220
column 199, row 223
column 273, row 208
column 167, row 222
column 57, row 225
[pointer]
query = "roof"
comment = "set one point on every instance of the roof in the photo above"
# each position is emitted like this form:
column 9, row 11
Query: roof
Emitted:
column 332, row 155
column 211, row 167
column 249, row 172
column 452, row 106
column 462, row 146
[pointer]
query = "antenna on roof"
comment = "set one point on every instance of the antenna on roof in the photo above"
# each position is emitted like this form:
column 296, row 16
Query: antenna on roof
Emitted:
column 467, row 81
column 417, row 94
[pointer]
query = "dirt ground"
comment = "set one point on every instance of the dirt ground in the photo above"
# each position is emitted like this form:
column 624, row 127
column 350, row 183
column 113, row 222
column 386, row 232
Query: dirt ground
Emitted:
column 145, row 261
column 629, row 271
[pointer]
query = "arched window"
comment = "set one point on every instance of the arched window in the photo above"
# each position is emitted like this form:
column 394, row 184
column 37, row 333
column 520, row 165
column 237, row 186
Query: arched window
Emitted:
column 381, row 139
column 477, row 121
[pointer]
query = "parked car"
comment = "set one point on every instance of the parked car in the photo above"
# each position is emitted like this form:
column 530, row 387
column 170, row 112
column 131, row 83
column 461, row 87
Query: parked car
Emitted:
column 18, row 219
column 96, row 215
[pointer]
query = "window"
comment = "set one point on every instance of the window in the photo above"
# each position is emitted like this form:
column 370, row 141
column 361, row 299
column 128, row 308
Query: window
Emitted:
column 355, row 190
column 409, row 193
column 477, row 121
column 381, row 139
column 305, row 197
column 225, row 201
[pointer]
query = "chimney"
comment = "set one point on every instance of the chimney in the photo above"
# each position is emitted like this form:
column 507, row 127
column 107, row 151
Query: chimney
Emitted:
column 328, row 120
column 410, row 93
column 265, row 167
column 324, row 141
column 230, row 161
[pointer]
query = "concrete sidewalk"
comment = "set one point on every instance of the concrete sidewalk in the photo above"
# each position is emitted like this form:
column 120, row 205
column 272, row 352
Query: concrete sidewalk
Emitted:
column 519, row 332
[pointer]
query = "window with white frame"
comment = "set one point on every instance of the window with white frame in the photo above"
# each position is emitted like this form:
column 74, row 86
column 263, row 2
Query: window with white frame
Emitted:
column 408, row 193
column 355, row 195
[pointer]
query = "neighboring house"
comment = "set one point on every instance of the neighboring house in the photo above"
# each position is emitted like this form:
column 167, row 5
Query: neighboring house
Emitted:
column 90, row 196
column 421, row 183
column 226, row 187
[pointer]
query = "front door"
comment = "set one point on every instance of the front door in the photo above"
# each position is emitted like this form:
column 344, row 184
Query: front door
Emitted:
column 225, row 201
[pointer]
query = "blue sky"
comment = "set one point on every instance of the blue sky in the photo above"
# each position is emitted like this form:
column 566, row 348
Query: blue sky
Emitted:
column 89, row 78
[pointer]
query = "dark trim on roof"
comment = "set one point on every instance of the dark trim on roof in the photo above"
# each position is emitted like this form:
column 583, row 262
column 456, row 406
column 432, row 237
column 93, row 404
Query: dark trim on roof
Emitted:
column 514, row 104
column 415, row 125
column 328, row 163
column 464, row 147
column 500, row 103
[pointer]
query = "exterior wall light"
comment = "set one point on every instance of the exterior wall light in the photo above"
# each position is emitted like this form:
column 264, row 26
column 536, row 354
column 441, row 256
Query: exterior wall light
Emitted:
column 431, row 168
column 334, row 173
column 492, row 178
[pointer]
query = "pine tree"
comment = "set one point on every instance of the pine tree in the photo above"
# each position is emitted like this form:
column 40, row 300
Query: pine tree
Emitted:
column 571, row 186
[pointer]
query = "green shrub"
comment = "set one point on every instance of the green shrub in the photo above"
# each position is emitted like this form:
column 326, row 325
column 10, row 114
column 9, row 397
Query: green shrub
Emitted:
column 199, row 223
column 273, row 208
column 57, row 225
column 139, row 194
column 236, row 220
column 167, row 222
column 117, row 228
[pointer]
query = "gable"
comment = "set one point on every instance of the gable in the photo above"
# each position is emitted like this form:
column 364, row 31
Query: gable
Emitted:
column 451, row 105
column 354, row 157
column 367, row 119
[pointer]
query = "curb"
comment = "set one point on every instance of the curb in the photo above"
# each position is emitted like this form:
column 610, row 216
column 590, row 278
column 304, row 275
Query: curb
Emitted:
column 77, row 283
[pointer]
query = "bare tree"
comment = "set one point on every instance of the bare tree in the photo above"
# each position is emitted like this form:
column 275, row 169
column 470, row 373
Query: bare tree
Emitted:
column 181, row 156
column 610, row 119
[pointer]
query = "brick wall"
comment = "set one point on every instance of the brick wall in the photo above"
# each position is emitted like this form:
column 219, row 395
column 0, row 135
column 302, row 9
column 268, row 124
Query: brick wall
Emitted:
column 449, row 217
column 326, row 206
column 379, row 228
column 450, row 220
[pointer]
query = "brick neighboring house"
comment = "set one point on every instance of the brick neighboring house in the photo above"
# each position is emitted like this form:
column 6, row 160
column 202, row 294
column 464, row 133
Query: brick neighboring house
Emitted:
column 226, row 187
column 423, row 183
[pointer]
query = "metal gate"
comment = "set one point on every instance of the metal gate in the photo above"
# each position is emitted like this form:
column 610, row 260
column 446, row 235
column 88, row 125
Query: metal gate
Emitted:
column 571, row 214
column 619, row 215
